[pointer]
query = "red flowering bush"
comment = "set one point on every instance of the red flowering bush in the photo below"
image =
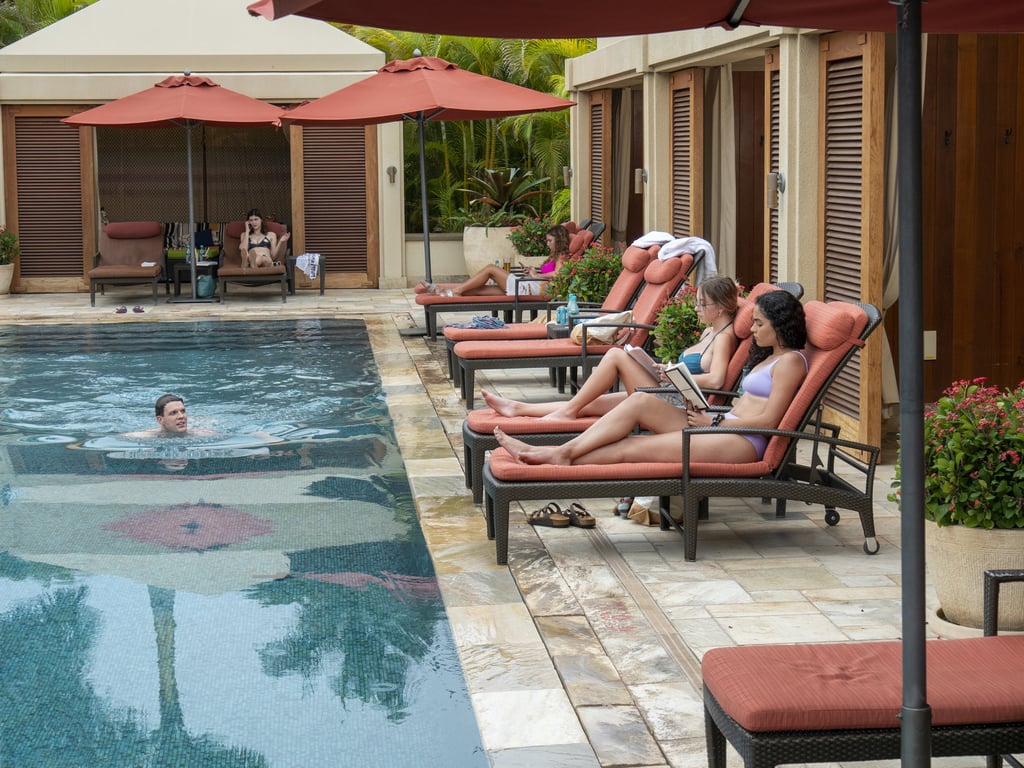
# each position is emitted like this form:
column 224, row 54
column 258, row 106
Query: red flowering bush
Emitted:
column 590, row 276
column 973, row 450
column 678, row 326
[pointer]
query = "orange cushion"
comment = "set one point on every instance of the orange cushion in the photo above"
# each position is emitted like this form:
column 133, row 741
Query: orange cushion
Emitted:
column 539, row 348
column 659, row 272
column 510, row 331
column 858, row 685
column 502, row 302
column 484, row 420
column 635, row 258
column 132, row 230
column 504, row 467
column 829, row 325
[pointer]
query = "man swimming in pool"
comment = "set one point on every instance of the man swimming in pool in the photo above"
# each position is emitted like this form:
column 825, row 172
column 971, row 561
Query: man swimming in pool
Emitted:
column 171, row 415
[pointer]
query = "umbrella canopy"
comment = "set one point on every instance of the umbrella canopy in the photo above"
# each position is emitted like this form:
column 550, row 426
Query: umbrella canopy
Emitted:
column 183, row 100
column 579, row 18
column 908, row 18
column 423, row 88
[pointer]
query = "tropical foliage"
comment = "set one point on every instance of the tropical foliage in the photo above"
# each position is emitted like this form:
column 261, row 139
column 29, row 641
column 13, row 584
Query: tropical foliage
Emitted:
column 507, row 195
column 678, row 326
column 530, row 237
column 590, row 276
column 8, row 246
column 973, row 450
column 20, row 18
column 536, row 144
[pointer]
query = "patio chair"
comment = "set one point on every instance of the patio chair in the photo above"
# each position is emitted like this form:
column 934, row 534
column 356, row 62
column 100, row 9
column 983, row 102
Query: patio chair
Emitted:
column 835, row 331
column 478, row 427
column 131, row 253
column 621, row 296
column 512, row 306
column 661, row 280
column 230, row 269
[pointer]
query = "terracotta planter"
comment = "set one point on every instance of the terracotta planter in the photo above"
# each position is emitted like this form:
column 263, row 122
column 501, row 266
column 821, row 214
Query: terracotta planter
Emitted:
column 485, row 245
column 957, row 558
column 6, row 275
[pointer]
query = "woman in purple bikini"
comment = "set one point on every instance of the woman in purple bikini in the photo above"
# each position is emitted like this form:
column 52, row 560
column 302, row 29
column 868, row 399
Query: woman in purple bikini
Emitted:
column 777, row 369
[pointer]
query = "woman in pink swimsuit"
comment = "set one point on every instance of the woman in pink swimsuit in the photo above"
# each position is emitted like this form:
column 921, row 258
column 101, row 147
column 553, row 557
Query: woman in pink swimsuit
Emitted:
column 777, row 369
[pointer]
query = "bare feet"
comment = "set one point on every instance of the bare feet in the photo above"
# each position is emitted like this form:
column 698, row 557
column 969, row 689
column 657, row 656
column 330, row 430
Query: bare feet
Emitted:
column 424, row 288
column 531, row 454
column 502, row 405
column 561, row 414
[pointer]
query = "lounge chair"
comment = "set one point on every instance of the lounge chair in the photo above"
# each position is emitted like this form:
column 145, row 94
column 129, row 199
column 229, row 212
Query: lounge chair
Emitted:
column 131, row 253
column 512, row 306
column 661, row 280
column 478, row 427
column 835, row 331
column 621, row 296
column 230, row 269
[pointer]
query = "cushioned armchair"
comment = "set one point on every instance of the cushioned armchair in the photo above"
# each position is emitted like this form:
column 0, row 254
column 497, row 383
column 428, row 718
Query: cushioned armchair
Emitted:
column 230, row 269
column 131, row 253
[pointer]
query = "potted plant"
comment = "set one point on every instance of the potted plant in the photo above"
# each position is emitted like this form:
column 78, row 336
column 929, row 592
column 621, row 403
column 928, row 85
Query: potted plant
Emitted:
column 590, row 276
column 8, row 253
column 529, row 238
column 678, row 326
column 974, row 497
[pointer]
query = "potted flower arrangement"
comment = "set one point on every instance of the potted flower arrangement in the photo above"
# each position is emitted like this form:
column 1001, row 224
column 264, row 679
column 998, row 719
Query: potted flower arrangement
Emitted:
column 974, row 497
column 529, row 238
column 678, row 326
column 590, row 276
column 8, row 253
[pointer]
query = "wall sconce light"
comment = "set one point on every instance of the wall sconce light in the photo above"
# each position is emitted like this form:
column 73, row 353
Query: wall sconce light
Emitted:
column 566, row 175
column 775, row 185
column 639, row 179
column 392, row 173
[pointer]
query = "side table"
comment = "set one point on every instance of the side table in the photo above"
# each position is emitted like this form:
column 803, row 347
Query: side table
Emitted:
column 183, row 270
column 558, row 331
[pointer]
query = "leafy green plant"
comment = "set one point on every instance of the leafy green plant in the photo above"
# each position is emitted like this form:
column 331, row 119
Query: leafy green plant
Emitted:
column 590, row 276
column 973, row 446
column 530, row 237
column 505, row 193
column 9, row 249
column 678, row 326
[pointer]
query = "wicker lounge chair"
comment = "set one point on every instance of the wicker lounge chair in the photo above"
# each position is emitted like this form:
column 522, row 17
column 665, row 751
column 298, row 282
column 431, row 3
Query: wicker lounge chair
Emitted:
column 478, row 427
column 230, row 269
column 835, row 332
column 621, row 296
column 661, row 280
column 841, row 702
column 512, row 306
column 131, row 253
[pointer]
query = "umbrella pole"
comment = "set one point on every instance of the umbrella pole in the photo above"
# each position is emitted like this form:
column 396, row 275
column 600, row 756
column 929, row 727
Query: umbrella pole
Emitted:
column 916, row 717
column 191, row 247
column 423, row 196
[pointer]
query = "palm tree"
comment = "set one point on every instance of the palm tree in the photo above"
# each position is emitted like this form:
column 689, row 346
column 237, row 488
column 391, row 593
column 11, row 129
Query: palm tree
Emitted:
column 20, row 18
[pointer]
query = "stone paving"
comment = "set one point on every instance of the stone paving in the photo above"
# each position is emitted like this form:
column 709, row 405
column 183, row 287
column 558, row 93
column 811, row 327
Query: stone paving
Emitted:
column 585, row 651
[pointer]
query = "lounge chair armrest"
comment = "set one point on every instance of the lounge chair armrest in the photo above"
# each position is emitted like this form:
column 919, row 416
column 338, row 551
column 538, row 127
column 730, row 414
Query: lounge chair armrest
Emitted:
column 96, row 259
column 993, row 580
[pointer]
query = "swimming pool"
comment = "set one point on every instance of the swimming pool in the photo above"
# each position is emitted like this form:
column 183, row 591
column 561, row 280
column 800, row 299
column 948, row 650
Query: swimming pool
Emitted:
column 258, row 596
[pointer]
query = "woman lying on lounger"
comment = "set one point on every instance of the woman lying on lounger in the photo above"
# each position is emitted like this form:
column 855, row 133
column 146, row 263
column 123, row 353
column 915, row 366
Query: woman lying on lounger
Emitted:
column 492, row 280
column 777, row 369
column 707, row 360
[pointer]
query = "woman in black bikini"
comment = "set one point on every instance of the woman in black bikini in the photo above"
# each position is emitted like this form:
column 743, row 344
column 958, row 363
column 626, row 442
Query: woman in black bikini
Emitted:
column 259, row 247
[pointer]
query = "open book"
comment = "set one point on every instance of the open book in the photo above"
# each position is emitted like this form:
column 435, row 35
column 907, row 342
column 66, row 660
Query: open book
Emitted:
column 677, row 374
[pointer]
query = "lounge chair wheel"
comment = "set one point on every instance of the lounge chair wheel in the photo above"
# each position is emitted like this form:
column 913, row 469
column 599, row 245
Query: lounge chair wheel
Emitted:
column 871, row 546
column 831, row 517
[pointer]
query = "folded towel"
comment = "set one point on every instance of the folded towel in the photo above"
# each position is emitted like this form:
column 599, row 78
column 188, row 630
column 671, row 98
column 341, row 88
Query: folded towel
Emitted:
column 309, row 263
column 680, row 245
column 653, row 238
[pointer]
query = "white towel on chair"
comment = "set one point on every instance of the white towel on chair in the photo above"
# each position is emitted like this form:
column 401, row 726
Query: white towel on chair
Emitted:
column 309, row 263
column 707, row 266
column 652, row 238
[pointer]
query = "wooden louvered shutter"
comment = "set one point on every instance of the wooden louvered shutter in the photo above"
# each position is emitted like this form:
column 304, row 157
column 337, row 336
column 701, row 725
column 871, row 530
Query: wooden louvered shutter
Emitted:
column 44, row 198
column 331, row 201
column 773, row 115
column 851, row 208
column 601, row 158
column 687, row 88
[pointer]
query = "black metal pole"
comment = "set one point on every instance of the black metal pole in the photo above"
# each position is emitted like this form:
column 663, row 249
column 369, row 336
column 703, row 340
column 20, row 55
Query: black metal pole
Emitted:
column 915, row 728
column 420, row 120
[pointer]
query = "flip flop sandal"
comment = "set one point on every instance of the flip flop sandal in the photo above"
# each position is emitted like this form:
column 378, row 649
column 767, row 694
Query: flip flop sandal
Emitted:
column 549, row 516
column 120, row 310
column 622, row 508
column 579, row 516
column 138, row 309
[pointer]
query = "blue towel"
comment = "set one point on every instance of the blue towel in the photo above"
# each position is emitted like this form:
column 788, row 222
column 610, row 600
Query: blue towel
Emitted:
column 482, row 321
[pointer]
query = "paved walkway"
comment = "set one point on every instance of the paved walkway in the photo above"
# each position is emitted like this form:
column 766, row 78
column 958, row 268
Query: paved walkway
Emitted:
column 585, row 651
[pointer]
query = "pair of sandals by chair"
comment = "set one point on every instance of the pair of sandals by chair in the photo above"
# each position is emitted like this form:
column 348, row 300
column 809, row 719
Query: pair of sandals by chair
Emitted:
column 553, row 516
column 137, row 309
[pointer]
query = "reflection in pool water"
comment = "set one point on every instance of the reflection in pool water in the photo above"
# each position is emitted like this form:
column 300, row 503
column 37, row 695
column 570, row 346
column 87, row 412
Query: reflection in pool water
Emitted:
column 271, row 604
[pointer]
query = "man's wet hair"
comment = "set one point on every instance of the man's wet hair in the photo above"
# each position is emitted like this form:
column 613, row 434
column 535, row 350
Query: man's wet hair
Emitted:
column 163, row 400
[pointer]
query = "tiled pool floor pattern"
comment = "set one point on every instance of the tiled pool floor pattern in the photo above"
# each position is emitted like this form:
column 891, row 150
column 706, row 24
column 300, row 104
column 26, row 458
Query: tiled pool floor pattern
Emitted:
column 585, row 651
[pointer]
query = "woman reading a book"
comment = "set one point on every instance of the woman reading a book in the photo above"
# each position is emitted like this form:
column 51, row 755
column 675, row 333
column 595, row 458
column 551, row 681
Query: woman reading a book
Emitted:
column 777, row 369
column 707, row 360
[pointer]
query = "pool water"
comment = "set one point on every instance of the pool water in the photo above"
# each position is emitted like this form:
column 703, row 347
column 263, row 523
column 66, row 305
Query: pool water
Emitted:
column 256, row 595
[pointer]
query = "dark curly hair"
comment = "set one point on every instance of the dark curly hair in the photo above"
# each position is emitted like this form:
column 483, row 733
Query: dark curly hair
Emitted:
column 785, row 313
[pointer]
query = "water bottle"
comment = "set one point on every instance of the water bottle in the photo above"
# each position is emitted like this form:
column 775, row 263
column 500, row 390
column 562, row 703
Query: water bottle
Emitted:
column 572, row 308
column 562, row 316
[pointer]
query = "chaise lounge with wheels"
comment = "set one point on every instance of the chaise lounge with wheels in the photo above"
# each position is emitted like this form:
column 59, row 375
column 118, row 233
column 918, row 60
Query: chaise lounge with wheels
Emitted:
column 131, row 253
column 230, row 269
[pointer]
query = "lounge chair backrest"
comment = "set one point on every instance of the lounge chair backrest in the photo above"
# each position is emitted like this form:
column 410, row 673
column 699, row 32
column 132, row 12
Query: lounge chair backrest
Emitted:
column 129, row 243
column 627, row 284
column 233, row 233
column 579, row 242
column 661, row 279
column 835, row 331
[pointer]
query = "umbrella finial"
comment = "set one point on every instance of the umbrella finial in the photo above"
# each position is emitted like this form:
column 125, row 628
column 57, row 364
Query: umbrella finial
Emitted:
column 188, row 72
column 416, row 52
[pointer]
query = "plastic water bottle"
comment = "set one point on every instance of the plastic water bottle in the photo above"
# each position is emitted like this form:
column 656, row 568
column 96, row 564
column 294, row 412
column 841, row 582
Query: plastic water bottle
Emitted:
column 572, row 308
column 561, row 316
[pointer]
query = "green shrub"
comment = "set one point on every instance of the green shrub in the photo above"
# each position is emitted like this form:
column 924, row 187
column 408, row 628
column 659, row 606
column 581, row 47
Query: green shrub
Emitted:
column 677, row 326
column 530, row 237
column 590, row 276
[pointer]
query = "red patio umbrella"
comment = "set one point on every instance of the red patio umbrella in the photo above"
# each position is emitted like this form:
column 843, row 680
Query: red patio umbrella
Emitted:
column 183, row 100
column 423, row 88
column 908, row 18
